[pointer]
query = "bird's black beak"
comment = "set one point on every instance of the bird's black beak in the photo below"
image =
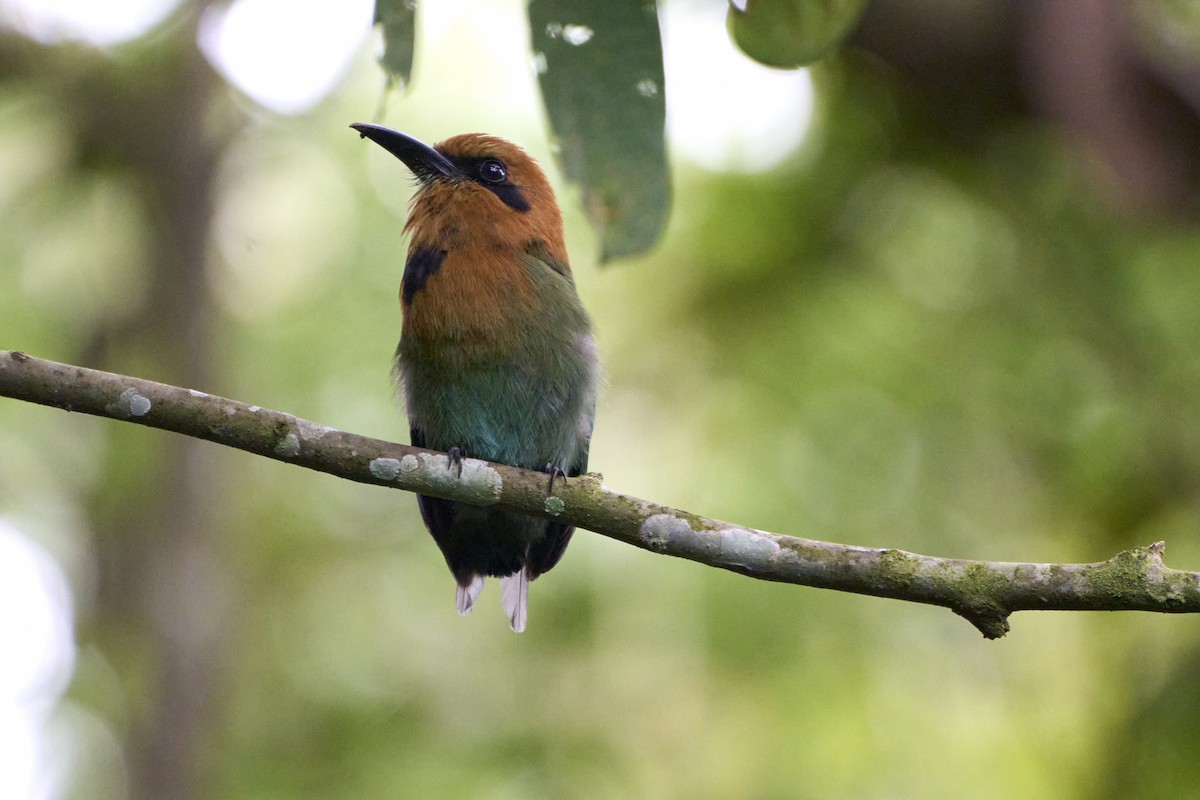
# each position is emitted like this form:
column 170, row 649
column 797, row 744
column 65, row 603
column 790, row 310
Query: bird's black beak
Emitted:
column 425, row 162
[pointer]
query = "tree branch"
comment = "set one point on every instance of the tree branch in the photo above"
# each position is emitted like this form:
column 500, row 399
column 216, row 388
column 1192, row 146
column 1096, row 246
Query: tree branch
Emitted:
column 983, row 592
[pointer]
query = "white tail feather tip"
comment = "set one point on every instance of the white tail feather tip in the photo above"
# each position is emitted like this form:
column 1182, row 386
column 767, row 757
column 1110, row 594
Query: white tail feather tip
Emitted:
column 514, row 593
column 466, row 596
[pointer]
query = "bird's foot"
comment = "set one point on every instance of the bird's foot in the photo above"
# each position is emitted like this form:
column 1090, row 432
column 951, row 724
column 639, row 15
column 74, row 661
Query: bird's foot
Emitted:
column 555, row 472
column 456, row 458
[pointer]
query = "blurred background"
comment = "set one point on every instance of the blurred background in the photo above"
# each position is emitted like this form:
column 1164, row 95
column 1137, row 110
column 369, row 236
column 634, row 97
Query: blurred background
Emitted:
column 939, row 292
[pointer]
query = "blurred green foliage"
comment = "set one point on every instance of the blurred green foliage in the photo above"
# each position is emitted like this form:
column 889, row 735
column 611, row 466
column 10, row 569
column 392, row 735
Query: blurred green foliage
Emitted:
column 397, row 22
column 944, row 338
column 791, row 33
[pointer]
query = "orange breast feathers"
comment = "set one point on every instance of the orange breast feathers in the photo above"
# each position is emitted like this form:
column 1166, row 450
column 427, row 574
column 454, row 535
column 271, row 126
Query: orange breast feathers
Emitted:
column 481, row 287
column 478, row 295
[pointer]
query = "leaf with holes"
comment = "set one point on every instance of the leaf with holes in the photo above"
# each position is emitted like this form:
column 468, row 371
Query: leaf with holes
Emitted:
column 600, row 67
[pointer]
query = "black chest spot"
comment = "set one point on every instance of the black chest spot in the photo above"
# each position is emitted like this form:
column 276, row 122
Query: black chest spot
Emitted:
column 423, row 262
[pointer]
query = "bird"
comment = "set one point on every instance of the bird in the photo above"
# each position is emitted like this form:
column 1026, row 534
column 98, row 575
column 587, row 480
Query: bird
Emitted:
column 497, row 359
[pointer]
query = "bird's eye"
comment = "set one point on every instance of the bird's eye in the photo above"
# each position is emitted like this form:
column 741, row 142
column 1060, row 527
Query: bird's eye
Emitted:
column 493, row 171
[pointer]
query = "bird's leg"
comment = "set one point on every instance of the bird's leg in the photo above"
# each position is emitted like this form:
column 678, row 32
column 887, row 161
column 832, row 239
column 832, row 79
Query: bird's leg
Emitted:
column 456, row 458
column 555, row 472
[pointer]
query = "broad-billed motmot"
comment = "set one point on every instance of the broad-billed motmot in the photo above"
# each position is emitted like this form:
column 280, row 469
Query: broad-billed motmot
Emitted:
column 496, row 355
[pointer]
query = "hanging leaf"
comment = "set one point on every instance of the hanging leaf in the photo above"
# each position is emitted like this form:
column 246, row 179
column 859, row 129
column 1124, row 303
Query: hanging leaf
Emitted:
column 600, row 67
column 398, row 21
column 792, row 33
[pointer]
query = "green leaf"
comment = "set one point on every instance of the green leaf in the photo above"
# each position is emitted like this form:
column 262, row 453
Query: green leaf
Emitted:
column 397, row 19
column 601, row 73
column 792, row 33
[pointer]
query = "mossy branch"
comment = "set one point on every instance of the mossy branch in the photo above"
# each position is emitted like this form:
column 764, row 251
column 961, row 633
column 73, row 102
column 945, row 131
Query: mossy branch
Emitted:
column 983, row 592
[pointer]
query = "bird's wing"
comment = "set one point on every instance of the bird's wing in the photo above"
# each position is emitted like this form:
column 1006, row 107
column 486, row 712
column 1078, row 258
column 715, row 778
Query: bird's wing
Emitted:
column 538, row 252
column 438, row 515
column 546, row 552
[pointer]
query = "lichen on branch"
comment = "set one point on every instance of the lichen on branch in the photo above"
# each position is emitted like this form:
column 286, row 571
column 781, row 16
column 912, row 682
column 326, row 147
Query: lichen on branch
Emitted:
column 985, row 593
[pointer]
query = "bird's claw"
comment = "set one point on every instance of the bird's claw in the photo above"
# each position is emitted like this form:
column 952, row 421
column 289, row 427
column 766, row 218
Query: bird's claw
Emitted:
column 555, row 472
column 456, row 459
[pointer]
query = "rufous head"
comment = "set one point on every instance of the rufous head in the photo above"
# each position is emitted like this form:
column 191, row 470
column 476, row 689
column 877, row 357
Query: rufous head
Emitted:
column 475, row 189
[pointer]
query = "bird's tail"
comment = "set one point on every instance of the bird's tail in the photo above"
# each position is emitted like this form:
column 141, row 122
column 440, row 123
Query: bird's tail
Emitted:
column 468, row 593
column 514, row 593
